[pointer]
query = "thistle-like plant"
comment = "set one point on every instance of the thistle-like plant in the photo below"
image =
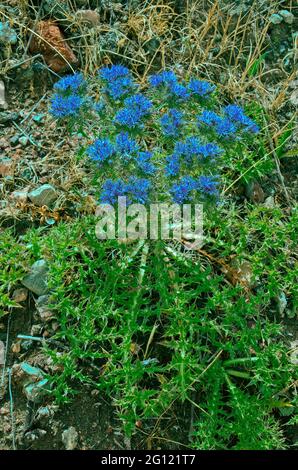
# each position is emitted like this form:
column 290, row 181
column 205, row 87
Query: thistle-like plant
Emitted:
column 162, row 143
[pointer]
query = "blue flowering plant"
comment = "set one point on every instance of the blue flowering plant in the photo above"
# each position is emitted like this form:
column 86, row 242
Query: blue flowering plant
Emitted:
column 165, row 141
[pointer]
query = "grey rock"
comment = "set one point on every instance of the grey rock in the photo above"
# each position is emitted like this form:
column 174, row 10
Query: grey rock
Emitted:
column 3, row 103
column 269, row 202
column 44, row 195
column 36, row 280
column 32, row 436
column 7, row 117
column 24, row 140
column 275, row 18
column 70, row 438
column 287, row 16
column 281, row 303
column 42, row 305
column 35, row 391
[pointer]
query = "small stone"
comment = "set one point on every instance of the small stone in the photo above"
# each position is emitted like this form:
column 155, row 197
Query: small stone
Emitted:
column 19, row 196
column 36, row 280
column 42, row 306
column 35, row 391
column 24, row 140
column 43, row 196
column 70, row 438
column 20, row 295
column 287, row 16
column 7, row 117
column 3, row 103
column 36, row 330
column 48, row 41
column 90, row 17
column 34, row 435
column 14, row 140
column 6, row 166
column 275, row 18
column 281, row 303
column 4, row 143
column 254, row 192
column 269, row 202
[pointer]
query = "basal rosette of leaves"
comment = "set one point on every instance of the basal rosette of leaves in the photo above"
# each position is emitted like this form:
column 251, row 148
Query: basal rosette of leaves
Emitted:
column 164, row 142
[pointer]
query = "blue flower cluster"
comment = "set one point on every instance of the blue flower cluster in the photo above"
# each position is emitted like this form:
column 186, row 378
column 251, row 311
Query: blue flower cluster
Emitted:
column 66, row 106
column 228, row 125
column 190, row 152
column 136, row 108
column 118, row 79
column 68, row 100
column 101, row 150
column 135, row 190
column 169, row 81
column 144, row 163
column 125, row 145
column 72, row 83
column 206, row 186
column 171, row 122
column 129, row 139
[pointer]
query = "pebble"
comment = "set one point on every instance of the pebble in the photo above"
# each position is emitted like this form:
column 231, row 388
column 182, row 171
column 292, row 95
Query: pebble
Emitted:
column 287, row 16
column 44, row 195
column 275, row 18
column 36, row 280
column 3, row 103
column 24, row 140
column 20, row 295
column 70, row 438
column 6, row 166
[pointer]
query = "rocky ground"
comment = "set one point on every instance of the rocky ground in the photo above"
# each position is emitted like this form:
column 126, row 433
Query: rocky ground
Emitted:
column 249, row 47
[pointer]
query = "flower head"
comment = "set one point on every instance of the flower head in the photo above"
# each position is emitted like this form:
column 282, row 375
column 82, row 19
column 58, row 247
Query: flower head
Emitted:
column 125, row 145
column 181, row 191
column 111, row 190
column 171, row 122
column 73, row 83
column 144, row 163
column 66, row 106
column 200, row 88
column 101, row 150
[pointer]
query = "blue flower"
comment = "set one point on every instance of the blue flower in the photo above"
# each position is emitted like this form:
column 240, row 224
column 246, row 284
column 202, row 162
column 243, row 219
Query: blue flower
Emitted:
column 125, row 145
column 112, row 72
column 179, row 91
column 236, row 114
column 143, row 161
column 120, row 87
column 111, row 190
column 200, row 88
column 119, row 81
column 138, row 102
column 210, row 150
column 226, row 128
column 138, row 189
column 167, row 77
column 181, row 191
column 171, row 122
column 209, row 118
column 173, row 165
column 169, row 80
column 101, row 150
column 65, row 106
column 73, row 83
column 136, row 107
column 208, row 185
